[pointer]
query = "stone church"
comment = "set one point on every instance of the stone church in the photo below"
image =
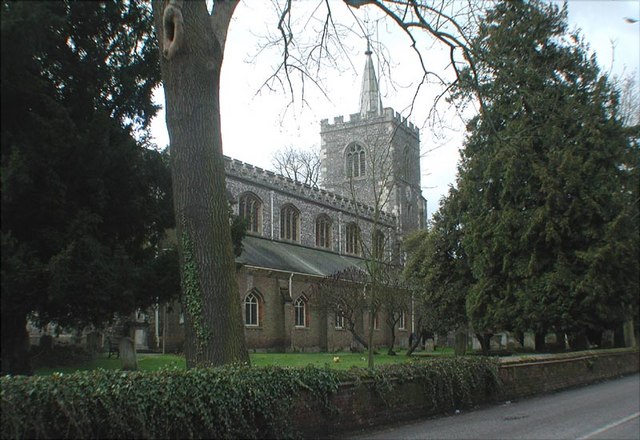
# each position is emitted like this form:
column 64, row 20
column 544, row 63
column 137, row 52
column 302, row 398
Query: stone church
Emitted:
column 369, row 198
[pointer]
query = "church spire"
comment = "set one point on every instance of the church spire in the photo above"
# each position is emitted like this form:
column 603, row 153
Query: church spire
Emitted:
column 370, row 101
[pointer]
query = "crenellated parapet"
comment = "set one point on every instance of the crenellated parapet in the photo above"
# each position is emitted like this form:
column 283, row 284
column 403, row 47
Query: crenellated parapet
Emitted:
column 355, row 119
column 259, row 176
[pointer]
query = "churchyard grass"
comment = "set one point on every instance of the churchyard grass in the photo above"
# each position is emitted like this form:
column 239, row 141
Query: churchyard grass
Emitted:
column 341, row 360
column 146, row 362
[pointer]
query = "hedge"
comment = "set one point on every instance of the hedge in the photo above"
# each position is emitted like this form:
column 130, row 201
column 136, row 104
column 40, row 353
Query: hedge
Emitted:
column 228, row 402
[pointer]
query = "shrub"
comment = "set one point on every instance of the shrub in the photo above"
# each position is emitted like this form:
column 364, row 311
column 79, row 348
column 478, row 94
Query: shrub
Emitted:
column 58, row 355
column 229, row 402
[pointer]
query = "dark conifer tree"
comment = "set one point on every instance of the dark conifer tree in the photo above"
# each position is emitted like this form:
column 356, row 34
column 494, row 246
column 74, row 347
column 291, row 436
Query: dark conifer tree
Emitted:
column 549, row 180
column 84, row 202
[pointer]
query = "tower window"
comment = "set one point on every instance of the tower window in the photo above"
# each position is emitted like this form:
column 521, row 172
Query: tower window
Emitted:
column 407, row 163
column 352, row 245
column 323, row 231
column 378, row 244
column 250, row 209
column 290, row 223
column 356, row 161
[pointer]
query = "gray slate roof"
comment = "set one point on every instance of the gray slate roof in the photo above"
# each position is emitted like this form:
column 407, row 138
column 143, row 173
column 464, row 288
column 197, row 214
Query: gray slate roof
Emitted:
column 288, row 257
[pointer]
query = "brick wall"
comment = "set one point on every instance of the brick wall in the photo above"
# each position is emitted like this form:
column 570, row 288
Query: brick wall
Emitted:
column 359, row 407
column 535, row 376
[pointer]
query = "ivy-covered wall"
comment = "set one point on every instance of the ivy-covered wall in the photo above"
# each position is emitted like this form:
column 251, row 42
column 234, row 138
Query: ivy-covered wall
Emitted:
column 231, row 402
column 244, row 402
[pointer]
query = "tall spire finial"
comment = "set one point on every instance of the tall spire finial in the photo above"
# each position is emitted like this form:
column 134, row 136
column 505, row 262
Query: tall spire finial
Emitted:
column 370, row 100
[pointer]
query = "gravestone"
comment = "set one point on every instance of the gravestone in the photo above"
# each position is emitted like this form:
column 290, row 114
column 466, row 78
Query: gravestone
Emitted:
column 460, row 342
column 529, row 341
column 430, row 345
column 94, row 342
column 128, row 354
column 607, row 339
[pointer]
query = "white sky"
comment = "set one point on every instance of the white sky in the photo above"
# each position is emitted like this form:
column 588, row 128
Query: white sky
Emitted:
column 256, row 123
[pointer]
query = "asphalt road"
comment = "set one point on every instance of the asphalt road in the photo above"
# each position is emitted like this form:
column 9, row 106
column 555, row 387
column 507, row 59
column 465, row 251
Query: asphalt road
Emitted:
column 607, row 410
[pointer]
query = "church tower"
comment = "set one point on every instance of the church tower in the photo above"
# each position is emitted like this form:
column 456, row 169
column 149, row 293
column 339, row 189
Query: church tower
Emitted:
column 374, row 157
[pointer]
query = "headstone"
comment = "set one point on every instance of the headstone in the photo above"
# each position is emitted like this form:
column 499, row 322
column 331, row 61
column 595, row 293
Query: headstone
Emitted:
column 141, row 338
column 494, row 342
column 94, row 342
column 128, row 354
column 529, row 341
column 475, row 343
column 512, row 342
column 460, row 346
column 607, row 339
column 629, row 334
column 430, row 345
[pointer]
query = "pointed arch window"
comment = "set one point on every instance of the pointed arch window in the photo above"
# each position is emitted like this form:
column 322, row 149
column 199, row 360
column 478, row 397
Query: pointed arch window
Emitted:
column 301, row 309
column 355, row 161
column 250, row 209
column 323, row 231
column 402, row 321
column 252, row 305
column 407, row 163
column 290, row 223
column 339, row 317
column 352, row 245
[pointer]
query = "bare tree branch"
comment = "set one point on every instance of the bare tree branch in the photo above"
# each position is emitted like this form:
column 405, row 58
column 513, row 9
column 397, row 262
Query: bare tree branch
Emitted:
column 299, row 165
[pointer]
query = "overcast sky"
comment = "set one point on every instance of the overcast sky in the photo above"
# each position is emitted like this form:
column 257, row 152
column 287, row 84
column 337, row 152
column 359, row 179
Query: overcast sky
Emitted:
column 256, row 122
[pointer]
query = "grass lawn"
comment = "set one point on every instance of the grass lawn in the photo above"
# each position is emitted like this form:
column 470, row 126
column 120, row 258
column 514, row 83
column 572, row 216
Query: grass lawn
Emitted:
column 146, row 362
column 346, row 360
column 153, row 362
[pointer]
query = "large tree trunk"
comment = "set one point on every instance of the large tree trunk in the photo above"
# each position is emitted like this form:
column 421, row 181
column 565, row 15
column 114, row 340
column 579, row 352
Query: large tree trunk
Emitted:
column 485, row 342
column 540, row 341
column 191, row 59
column 392, row 327
column 15, row 344
column 356, row 335
column 370, row 360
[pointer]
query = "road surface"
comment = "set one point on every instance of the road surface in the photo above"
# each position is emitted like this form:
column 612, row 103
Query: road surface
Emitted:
column 607, row 410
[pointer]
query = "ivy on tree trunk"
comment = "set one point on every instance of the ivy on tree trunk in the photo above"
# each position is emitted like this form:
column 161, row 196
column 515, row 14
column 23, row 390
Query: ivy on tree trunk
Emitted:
column 192, row 50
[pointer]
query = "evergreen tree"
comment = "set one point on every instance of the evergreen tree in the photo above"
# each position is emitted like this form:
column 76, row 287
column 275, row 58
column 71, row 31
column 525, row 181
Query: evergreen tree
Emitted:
column 438, row 265
column 549, row 181
column 84, row 203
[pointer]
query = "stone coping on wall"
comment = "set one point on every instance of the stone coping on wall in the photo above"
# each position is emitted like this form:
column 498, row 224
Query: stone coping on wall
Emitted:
column 561, row 356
